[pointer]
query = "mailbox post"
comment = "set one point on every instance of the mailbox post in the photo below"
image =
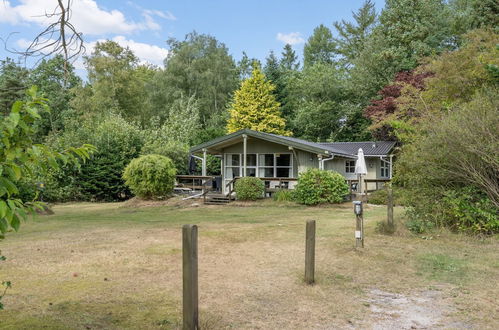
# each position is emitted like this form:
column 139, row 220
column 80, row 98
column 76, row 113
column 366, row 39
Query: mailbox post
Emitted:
column 359, row 224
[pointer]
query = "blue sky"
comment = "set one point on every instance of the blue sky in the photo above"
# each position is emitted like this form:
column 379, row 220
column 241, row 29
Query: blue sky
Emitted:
column 256, row 26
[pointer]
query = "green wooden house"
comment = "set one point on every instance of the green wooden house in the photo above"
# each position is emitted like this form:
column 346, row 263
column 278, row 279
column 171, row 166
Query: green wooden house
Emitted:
column 279, row 159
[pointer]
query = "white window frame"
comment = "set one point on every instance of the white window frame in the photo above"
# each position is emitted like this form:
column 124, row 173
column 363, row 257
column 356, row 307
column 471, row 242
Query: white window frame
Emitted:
column 384, row 169
column 349, row 167
column 257, row 167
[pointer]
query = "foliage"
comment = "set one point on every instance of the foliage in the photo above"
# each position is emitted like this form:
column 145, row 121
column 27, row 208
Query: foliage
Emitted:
column 352, row 36
column 469, row 210
column 317, row 93
column 249, row 188
column 407, row 32
column 461, row 152
column 381, row 111
column 118, row 142
column 19, row 155
column 255, row 107
column 198, row 66
column 117, row 83
column 283, row 195
column 320, row 186
column 13, row 83
column 177, row 151
column 150, row 176
column 289, row 59
column 55, row 80
column 320, row 47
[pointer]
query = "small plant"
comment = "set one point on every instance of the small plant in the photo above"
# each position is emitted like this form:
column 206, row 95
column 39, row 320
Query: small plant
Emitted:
column 283, row 195
column 378, row 197
column 150, row 176
column 418, row 226
column 249, row 188
column 319, row 186
column 383, row 227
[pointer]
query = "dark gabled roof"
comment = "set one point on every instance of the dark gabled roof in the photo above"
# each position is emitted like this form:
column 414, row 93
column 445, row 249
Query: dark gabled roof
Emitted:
column 370, row 148
column 343, row 149
column 286, row 140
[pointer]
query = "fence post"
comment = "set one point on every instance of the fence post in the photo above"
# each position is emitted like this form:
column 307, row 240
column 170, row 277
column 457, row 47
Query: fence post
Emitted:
column 190, row 277
column 389, row 204
column 310, row 252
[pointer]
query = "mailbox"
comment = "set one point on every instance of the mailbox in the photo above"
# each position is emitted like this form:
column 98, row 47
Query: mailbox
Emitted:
column 357, row 207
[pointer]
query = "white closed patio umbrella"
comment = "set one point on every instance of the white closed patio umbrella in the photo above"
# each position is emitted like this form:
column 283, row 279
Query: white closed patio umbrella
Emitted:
column 360, row 168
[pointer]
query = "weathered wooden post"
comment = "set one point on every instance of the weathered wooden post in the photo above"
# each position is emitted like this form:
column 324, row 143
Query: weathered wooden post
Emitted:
column 389, row 205
column 359, row 224
column 310, row 252
column 190, row 277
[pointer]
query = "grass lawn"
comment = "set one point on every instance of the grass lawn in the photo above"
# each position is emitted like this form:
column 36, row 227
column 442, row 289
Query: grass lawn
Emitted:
column 108, row 266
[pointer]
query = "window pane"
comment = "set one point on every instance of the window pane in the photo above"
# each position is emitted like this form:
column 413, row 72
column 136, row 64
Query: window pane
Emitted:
column 283, row 160
column 266, row 172
column 250, row 171
column 250, row 160
column 232, row 172
column 283, row 172
column 233, row 160
column 266, row 160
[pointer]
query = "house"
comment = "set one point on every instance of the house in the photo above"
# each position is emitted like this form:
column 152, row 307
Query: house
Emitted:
column 281, row 158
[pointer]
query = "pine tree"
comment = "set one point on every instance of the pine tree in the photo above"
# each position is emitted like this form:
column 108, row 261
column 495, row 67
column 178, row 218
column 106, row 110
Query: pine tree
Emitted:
column 255, row 107
column 320, row 47
column 352, row 36
column 289, row 60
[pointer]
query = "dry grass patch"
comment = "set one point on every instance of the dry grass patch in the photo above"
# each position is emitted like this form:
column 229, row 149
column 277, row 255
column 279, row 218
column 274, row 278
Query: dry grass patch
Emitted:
column 108, row 266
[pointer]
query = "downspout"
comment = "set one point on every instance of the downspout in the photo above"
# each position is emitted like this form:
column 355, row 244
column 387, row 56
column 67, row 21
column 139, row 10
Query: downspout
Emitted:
column 325, row 160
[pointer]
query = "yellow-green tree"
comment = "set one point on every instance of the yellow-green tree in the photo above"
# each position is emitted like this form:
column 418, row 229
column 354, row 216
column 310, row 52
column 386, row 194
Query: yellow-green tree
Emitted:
column 255, row 107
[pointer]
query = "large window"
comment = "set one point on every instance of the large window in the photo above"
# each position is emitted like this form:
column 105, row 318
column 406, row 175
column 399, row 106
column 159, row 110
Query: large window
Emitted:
column 385, row 169
column 349, row 166
column 260, row 165
column 283, row 168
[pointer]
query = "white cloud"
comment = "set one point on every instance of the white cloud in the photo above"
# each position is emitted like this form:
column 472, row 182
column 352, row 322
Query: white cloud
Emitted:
column 292, row 38
column 146, row 53
column 86, row 16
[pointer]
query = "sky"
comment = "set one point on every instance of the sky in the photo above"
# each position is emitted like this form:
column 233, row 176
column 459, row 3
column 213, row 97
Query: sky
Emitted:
column 255, row 26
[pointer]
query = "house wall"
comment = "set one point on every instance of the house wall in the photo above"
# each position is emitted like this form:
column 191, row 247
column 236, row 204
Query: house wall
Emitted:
column 302, row 160
column 373, row 169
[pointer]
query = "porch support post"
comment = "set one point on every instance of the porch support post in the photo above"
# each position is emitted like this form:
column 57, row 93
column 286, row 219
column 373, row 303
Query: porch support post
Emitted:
column 321, row 164
column 245, row 145
column 391, row 166
column 203, row 167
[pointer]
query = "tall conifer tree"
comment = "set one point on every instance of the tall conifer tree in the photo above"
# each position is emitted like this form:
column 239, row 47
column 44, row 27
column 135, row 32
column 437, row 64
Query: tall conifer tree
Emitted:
column 255, row 107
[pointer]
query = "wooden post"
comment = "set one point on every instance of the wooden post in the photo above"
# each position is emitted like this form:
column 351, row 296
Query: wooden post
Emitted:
column 389, row 205
column 190, row 277
column 310, row 252
column 359, row 224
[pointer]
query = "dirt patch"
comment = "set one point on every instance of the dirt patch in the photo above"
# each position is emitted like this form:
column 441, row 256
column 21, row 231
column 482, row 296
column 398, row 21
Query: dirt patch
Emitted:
column 420, row 310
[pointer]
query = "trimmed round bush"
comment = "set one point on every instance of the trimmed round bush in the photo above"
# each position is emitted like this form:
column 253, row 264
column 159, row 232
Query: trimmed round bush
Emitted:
column 150, row 176
column 249, row 188
column 319, row 186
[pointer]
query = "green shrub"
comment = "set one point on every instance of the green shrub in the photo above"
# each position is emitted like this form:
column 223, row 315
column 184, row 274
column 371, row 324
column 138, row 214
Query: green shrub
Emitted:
column 469, row 210
column 319, row 186
column 150, row 176
column 283, row 195
column 378, row 197
column 99, row 178
column 249, row 188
